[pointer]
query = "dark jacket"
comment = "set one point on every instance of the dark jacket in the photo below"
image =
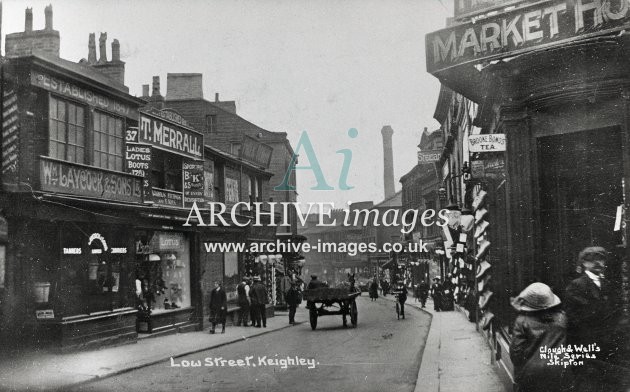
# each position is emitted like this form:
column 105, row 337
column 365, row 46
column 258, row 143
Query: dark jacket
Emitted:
column 374, row 289
column 258, row 294
column 293, row 297
column 423, row 290
column 218, row 303
column 591, row 316
column 315, row 284
column 533, row 331
column 242, row 294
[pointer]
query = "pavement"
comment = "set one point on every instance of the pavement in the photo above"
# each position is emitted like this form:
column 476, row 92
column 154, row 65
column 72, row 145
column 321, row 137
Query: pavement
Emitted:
column 456, row 358
column 42, row 370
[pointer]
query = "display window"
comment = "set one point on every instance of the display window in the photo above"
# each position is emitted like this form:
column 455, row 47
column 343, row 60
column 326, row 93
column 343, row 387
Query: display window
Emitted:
column 163, row 271
column 93, row 274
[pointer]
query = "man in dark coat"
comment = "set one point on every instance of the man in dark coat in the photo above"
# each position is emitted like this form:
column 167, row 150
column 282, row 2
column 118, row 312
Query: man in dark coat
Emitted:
column 313, row 284
column 423, row 292
column 293, row 299
column 259, row 298
column 592, row 320
column 402, row 297
column 436, row 294
column 218, row 307
column 242, row 290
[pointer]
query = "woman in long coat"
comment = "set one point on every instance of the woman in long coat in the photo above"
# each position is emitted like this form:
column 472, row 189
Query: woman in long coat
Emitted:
column 218, row 307
column 374, row 289
column 540, row 324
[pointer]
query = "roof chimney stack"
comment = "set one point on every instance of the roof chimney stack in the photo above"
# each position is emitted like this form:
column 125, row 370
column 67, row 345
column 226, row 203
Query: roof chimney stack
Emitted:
column 388, row 161
column 48, row 14
column 145, row 90
column 216, row 97
column 28, row 20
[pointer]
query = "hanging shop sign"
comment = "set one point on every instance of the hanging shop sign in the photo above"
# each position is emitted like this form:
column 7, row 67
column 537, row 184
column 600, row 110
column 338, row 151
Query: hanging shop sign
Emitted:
column 208, row 180
column 169, row 136
column 10, row 140
column 425, row 157
column 64, row 177
column 486, row 143
column 489, row 168
column 193, row 178
column 70, row 90
column 138, row 162
column 521, row 30
column 467, row 8
column 231, row 191
column 168, row 198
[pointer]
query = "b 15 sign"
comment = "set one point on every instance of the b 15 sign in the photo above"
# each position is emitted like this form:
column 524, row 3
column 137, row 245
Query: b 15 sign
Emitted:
column 524, row 29
column 487, row 143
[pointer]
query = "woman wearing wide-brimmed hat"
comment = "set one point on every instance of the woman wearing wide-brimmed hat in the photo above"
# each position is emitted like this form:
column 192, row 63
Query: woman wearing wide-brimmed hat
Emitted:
column 541, row 324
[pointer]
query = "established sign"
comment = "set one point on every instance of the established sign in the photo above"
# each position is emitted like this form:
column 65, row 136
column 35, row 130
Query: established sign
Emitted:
column 487, row 143
column 531, row 27
column 425, row 157
column 169, row 137
column 64, row 177
column 89, row 97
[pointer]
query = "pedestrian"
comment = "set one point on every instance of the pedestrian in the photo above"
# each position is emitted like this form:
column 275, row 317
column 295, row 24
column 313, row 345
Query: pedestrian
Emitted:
column 436, row 294
column 402, row 297
column 259, row 298
column 592, row 320
column 218, row 307
column 242, row 290
column 374, row 289
column 385, row 287
column 293, row 299
column 423, row 292
column 313, row 284
column 447, row 294
column 252, row 309
column 540, row 324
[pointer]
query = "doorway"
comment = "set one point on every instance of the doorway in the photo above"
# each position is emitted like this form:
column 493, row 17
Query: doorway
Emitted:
column 580, row 178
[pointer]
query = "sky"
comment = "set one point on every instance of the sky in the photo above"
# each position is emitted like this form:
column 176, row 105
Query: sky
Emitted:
column 294, row 66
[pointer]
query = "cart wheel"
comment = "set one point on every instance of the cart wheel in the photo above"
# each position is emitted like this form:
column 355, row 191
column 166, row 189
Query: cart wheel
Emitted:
column 398, row 310
column 313, row 318
column 354, row 314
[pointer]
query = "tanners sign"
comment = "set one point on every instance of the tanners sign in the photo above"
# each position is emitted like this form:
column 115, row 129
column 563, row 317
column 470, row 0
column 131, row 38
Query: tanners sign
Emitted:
column 523, row 30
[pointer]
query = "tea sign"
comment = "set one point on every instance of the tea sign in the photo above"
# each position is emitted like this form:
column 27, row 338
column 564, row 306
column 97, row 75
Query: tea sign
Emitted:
column 487, row 143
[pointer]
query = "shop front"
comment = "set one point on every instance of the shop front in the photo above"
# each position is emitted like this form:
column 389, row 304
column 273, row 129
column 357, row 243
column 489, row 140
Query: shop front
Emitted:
column 560, row 98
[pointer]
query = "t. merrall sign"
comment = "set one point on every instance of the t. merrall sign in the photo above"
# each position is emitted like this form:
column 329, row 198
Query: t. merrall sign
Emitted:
column 524, row 29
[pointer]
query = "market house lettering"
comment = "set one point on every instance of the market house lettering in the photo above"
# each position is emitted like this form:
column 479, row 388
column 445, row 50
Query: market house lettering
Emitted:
column 56, row 176
column 170, row 137
column 524, row 29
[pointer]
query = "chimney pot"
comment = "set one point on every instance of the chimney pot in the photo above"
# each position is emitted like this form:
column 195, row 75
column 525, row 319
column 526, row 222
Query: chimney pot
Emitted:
column 145, row 90
column 115, row 50
column 216, row 97
column 102, row 40
column 156, row 86
column 49, row 17
column 28, row 20
column 92, row 49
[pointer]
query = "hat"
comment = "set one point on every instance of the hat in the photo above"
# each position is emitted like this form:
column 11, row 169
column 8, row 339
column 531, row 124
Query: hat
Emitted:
column 481, row 228
column 483, row 248
column 436, row 278
column 313, row 276
column 592, row 253
column 480, row 214
column 536, row 296
column 256, row 278
column 479, row 200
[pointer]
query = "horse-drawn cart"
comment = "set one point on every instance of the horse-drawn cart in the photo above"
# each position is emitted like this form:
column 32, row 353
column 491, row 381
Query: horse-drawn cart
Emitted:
column 344, row 299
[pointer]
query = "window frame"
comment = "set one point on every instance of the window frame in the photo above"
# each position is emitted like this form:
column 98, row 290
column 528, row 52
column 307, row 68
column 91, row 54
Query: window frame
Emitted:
column 67, row 125
column 104, row 150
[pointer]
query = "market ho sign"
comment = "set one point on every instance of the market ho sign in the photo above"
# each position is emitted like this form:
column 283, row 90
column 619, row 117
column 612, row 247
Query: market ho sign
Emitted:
column 487, row 143
column 524, row 29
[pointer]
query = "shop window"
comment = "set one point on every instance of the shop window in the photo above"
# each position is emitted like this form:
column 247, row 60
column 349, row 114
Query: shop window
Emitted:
column 108, row 141
column 163, row 273
column 230, row 274
column 167, row 171
column 66, row 131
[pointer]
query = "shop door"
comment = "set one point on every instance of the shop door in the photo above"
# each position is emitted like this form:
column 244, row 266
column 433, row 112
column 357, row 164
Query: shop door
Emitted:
column 580, row 188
